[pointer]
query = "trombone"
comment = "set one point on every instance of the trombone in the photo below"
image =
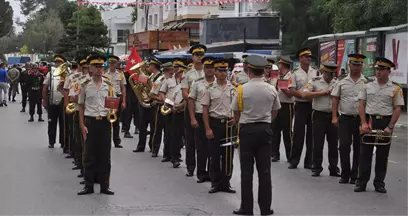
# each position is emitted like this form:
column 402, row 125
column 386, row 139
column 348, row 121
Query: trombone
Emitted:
column 376, row 137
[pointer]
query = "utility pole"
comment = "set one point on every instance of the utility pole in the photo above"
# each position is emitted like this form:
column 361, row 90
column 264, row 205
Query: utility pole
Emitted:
column 77, row 32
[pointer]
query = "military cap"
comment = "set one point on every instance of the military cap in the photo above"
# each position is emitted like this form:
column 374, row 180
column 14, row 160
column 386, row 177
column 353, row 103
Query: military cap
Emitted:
column 96, row 60
column 220, row 64
column 83, row 61
column 270, row 60
column 178, row 61
column 329, row 67
column 167, row 66
column 74, row 63
column 244, row 58
column 285, row 60
column 207, row 60
column 199, row 48
column 154, row 60
column 382, row 62
column 256, row 62
column 113, row 58
column 357, row 59
column 305, row 52
column 59, row 58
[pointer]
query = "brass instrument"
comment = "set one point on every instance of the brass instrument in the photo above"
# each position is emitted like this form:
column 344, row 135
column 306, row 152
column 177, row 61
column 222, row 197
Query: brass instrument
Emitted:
column 165, row 109
column 70, row 108
column 380, row 138
column 61, row 71
column 141, row 90
column 112, row 117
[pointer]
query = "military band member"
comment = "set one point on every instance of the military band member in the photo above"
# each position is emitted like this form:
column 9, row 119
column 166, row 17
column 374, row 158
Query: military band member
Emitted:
column 380, row 107
column 319, row 89
column 54, row 103
column 283, row 121
column 23, row 85
column 34, row 83
column 95, row 127
column 345, row 101
column 118, row 80
column 217, row 116
column 131, row 111
column 196, row 114
column 268, row 69
column 147, row 115
column 255, row 106
column 195, row 72
column 167, row 91
column 242, row 76
column 303, row 110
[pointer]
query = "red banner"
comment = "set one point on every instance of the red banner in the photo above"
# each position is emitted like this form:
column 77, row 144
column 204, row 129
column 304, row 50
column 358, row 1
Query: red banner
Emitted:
column 328, row 52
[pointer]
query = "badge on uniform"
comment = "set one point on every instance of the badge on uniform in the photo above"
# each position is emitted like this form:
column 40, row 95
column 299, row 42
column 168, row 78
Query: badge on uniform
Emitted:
column 112, row 103
column 273, row 74
column 140, row 79
column 283, row 84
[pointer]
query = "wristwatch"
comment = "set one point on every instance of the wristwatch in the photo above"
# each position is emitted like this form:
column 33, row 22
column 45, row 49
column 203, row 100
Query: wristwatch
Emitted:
column 390, row 127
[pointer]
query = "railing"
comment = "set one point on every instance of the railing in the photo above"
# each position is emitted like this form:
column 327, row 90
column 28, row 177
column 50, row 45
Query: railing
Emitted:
column 241, row 14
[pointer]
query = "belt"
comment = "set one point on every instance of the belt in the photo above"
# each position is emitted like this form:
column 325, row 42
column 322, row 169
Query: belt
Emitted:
column 223, row 120
column 351, row 116
column 96, row 117
column 379, row 116
column 322, row 112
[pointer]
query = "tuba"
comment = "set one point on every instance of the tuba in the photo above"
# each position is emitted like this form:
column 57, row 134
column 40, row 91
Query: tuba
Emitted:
column 70, row 108
column 61, row 71
column 140, row 86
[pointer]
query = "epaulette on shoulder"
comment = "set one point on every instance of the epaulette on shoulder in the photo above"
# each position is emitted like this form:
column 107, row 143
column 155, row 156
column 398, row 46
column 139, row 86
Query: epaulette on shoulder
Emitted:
column 314, row 67
column 397, row 84
column 106, row 77
column 368, row 80
column 201, row 78
column 84, row 83
column 294, row 69
column 107, row 82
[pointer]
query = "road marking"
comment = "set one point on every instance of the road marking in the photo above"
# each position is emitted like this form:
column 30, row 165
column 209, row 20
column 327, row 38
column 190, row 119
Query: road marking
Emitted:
column 393, row 161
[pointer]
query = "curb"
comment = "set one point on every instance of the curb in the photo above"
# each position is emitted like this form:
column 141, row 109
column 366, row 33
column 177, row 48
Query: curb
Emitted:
column 401, row 125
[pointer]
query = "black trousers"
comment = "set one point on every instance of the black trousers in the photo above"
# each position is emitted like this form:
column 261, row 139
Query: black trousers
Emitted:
column 159, row 122
column 323, row 128
column 255, row 146
column 76, row 139
column 177, row 128
column 69, row 121
column 97, row 152
column 56, row 115
column 303, row 117
column 381, row 155
column 35, row 100
column 189, row 142
column 146, row 119
column 349, row 134
column 24, row 94
column 221, row 161
column 282, row 124
column 203, row 157
column 115, row 125
column 131, row 112
column 168, row 133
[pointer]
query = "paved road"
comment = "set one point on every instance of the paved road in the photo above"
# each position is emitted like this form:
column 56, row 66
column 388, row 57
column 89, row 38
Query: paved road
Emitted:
column 36, row 180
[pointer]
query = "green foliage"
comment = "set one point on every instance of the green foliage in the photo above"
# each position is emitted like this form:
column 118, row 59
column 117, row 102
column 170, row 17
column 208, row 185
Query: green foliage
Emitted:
column 134, row 14
column 24, row 50
column 6, row 18
column 29, row 7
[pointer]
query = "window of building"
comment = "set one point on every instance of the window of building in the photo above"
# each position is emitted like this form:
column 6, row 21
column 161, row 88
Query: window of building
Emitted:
column 122, row 35
column 155, row 19
column 226, row 7
column 150, row 20
column 143, row 24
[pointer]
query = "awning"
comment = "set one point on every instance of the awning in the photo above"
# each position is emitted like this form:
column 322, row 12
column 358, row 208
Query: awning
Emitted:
column 188, row 24
column 169, row 27
column 176, row 26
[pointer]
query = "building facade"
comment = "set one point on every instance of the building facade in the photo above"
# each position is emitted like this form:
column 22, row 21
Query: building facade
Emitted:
column 120, row 25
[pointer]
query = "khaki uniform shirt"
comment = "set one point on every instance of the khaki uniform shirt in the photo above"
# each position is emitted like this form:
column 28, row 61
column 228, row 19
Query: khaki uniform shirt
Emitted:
column 189, row 77
column 158, row 81
column 117, row 79
column 321, row 103
column 283, row 98
column 93, row 98
column 347, row 90
column 198, row 90
column 169, row 87
column 177, row 96
column 241, row 77
column 56, row 96
column 381, row 100
column 259, row 99
column 218, row 100
column 299, row 78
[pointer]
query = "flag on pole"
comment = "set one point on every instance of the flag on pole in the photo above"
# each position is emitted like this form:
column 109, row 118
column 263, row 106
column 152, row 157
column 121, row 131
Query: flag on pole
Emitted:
column 133, row 59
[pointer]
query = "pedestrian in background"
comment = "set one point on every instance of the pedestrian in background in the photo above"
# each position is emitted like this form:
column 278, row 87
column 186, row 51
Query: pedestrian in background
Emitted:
column 13, row 76
column 3, row 84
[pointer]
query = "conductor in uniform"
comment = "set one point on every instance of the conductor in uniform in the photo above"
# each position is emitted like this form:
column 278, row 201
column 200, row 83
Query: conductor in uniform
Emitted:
column 345, row 102
column 95, row 127
column 380, row 107
column 319, row 89
column 255, row 106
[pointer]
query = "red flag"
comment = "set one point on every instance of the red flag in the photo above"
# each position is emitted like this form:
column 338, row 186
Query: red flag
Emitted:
column 133, row 59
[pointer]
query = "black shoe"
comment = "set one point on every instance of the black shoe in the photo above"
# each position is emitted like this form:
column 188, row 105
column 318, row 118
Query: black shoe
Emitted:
column 343, row 180
column 269, row 212
column 292, row 166
column 165, row 160
column 190, row 173
column 359, row 188
column 335, row 174
column 214, row 190
column 315, row 174
column 107, row 191
column 138, row 150
column 1, row 104
column 69, row 156
column 76, row 167
column 241, row 212
column 82, row 182
column 275, row 159
column 14, row 100
column 118, row 146
column 22, row 110
column 352, row 181
column 81, row 175
column 176, row 164
column 137, row 131
column 307, row 166
column 201, row 180
column 31, row 119
column 86, row 190
column 154, row 155
column 127, row 135
column 51, row 146
column 40, row 119
column 228, row 190
column 381, row 189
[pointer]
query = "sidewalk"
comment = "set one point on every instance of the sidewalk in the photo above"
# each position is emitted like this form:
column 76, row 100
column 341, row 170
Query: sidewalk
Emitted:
column 402, row 121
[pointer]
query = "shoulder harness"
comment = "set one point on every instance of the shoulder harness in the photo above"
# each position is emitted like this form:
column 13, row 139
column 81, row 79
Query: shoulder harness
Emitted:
column 85, row 82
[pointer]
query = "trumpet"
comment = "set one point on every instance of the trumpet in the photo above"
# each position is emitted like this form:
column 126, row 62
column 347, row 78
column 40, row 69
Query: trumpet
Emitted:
column 70, row 108
column 376, row 137
column 165, row 109
column 112, row 117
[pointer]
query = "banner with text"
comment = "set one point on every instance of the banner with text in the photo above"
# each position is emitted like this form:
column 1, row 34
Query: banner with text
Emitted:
column 396, row 51
column 328, row 52
column 368, row 47
column 344, row 48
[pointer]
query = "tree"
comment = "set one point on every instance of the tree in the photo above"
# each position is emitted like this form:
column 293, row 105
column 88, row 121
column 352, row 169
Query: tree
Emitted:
column 6, row 18
column 24, row 50
column 29, row 7
column 134, row 14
